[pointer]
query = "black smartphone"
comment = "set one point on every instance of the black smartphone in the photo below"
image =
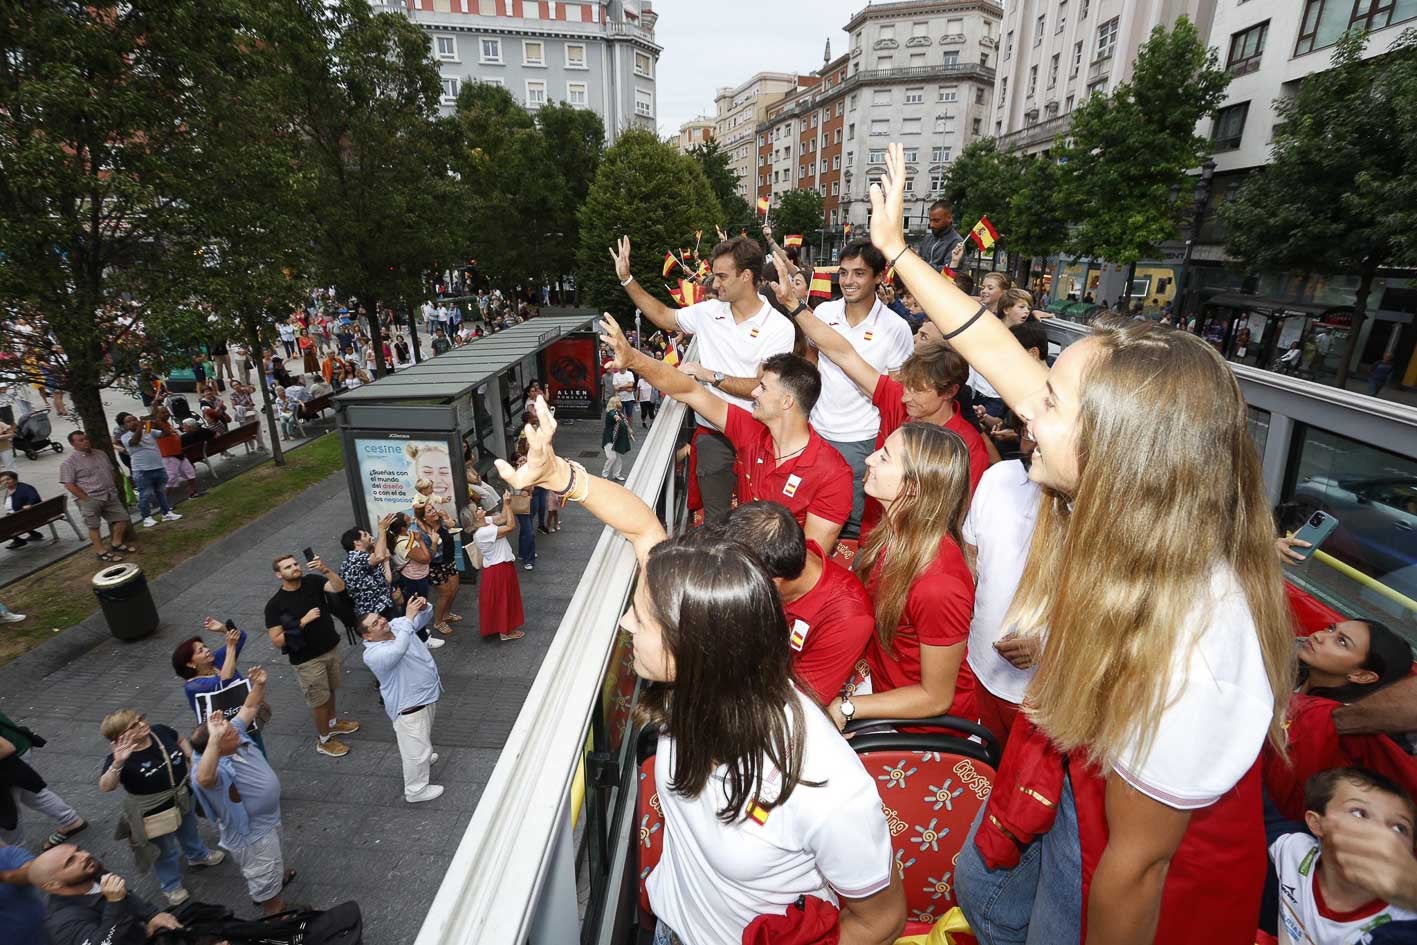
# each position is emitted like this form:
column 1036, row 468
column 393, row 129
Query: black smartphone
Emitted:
column 230, row 624
column 309, row 555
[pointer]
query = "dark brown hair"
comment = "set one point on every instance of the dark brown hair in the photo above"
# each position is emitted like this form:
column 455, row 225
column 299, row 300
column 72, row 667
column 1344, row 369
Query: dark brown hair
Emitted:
column 746, row 253
column 934, row 366
column 183, row 655
column 799, row 376
column 732, row 701
column 1320, row 788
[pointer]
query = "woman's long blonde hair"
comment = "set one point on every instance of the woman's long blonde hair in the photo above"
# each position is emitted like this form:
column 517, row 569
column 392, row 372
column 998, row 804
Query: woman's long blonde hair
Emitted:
column 1169, row 489
column 933, row 502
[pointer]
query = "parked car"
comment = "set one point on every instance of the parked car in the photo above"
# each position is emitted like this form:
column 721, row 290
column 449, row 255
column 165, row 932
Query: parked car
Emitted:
column 1377, row 524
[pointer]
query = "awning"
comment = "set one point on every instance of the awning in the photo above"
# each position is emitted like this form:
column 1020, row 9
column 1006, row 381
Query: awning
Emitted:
column 1279, row 307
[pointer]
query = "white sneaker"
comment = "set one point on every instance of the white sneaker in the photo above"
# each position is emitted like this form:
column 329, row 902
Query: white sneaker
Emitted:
column 434, row 759
column 434, row 643
column 214, row 858
column 11, row 617
column 171, row 517
column 177, row 896
column 149, row 522
column 431, row 792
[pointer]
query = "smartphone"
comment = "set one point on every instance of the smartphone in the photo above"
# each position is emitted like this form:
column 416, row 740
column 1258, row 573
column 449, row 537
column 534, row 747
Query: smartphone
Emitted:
column 230, row 624
column 1315, row 529
column 309, row 555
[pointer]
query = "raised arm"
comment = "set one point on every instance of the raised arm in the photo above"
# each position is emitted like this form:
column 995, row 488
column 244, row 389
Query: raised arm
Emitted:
column 257, row 695
column 986, row 344
column 653, row 309
column 613, row 504
column 828, row 342
column 669, row 380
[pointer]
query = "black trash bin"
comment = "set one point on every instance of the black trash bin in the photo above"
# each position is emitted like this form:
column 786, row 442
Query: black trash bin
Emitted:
column 127, row 604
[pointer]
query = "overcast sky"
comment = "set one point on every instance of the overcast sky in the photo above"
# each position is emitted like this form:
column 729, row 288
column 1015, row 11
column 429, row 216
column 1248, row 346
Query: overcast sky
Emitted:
column 722, row 43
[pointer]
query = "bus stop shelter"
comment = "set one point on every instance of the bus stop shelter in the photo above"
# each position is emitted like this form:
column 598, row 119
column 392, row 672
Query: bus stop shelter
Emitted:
column 434, row 419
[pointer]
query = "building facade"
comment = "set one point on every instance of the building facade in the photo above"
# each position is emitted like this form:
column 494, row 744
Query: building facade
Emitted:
column 920, row 73
column 694, row 132
column 598, row 55
column 737, row 113
column 1056, row 53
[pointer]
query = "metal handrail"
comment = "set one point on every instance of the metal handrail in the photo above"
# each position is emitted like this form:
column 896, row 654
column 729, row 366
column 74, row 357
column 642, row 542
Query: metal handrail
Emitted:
column 492, row 890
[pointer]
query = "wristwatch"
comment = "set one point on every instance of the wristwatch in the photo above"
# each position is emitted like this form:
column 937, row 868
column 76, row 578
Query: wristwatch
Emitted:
column 717, row 379
column 848, row 709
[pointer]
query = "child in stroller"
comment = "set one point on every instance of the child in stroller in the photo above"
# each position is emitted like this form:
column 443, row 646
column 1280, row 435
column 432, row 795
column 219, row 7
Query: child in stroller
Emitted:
column 32, row 435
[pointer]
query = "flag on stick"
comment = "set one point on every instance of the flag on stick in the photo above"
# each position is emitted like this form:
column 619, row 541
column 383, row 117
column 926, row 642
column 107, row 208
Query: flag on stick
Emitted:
column 846, row 230
column 669, row 263
column 763, row 203
column 691, row 292
column 984, row 234
column 792, row 239
column 676, row 295
column 821, row 286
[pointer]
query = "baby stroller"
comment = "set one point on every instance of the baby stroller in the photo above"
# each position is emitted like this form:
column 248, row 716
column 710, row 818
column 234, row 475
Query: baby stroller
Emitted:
column 32, row 435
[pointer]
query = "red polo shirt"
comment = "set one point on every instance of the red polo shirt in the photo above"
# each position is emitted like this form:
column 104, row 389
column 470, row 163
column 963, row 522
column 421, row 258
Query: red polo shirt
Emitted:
column 828, row 629
column 816, row 480
column 938, row 609
column 887, row 398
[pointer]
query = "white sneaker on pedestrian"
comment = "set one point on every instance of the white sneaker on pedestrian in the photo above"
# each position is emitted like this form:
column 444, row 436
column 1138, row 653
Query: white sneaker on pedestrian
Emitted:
column 434, row 759
column 11, row 617
column 149, row 522
column 434, row 643
column 171, row 517
column 214, row 858
column 528, row 567
column 177, row 896
column 431, row 792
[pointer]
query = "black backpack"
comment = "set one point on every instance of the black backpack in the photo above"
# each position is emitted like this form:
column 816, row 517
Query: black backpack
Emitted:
column 340, row 925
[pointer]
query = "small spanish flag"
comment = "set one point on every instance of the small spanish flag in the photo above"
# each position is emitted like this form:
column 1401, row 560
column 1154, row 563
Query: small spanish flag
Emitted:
column 691, row 292
column 703, row 271
column 799, row 634
column 677, row 296
column 792, row 239
column 763, row 206
column 669, row 263
column 753, row 333
column 846, row 230
column 821, row 287
column 867, row 336
column 758, row 812
column 947, row 272
column 671, row 357
column 984, row 234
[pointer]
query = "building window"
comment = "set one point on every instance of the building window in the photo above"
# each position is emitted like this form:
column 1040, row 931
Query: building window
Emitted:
column 836, row 136
column 836, row 189
column 576, row 94
column 644, row 102
column 984, row 59
column 1326, row 20
column 1077, row 60
column 450, row 90
column 1032, row 81
column 917, row 60
column 575, row 56
column 937, row 155
column 912, row 155
column 1082, row 13
column 945, row 124
column 1106, row 38
column 836, row 162
column 954, row 26
column 1229, row 127
column 853, row 103
column 1062, row 16
column 1068, row 106
column 1053, row 71
column 884, row 63
column 840, row 107
column 919, row 28
column 910, row 126
column 851, row 130
column 1038, row 30
column 950, row 93
column 535, row 93
column 644, row 65
column 1009, row 44
column 979, row 95
column 887, row 31
column 915, row 96
column 1003, row 91
column 937, row 183
column 447, row 48
column 880, row 126
column 1246, row 48
column 876, row 156
column 491, row 51
column 977, row 126
column 880, row 97
column 533, row 52
column 951, row 58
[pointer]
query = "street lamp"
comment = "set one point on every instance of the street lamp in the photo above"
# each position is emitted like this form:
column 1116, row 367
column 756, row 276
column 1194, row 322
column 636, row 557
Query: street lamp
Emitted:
column 1201, row 201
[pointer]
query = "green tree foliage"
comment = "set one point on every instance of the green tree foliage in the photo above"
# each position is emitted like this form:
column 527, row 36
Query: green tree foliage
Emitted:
column 738, row 214
column 575, row 139
column 382, row 201
column 645, row 190
column 1338, row 195
column 799, row 211
column 1018, row 195
column 1124, row 164
column 102, row 123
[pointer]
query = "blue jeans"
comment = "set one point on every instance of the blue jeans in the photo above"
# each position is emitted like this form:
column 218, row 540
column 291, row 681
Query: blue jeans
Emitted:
column 526, row 539
column 538, row 505
column 174, row 846
column 1039, row 901
column 152, row 485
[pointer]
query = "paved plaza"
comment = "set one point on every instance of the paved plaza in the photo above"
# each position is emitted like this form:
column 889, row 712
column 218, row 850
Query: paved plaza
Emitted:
column 347, row 829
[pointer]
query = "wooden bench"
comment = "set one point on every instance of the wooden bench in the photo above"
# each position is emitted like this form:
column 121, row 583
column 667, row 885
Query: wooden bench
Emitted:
column 201, row 451
column 36, row 517
column 312, row 409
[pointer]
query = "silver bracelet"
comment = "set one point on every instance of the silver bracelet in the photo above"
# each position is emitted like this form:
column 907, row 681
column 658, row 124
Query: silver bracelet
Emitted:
column 627, row 281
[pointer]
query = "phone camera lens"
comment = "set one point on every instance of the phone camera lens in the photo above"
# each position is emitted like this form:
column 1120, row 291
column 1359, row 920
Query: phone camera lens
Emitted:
column 1317, row 519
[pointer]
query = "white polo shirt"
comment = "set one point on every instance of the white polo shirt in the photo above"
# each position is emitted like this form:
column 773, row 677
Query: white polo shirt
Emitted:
column 713, row 879
column 736, row 349
column 1000, row 525
column 843, row 412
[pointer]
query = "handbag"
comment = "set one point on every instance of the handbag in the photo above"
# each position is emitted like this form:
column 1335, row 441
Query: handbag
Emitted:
column 521, row 503
column 167, row 820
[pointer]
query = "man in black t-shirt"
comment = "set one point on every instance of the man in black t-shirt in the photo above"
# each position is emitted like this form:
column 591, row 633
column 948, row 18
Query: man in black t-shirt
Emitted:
column 88, row 904
column 300, row 626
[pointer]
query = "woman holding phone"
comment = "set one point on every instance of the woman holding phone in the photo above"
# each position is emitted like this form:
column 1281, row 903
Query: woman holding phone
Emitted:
column 442, row 570
column 1167, row 656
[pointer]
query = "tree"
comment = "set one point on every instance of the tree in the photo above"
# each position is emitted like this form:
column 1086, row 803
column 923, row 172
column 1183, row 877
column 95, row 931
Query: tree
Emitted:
column 799, row 211
column 575, row 139
column 982, row 181
column 1124, row 164
column 382, row 200
column 101, row 121
column 1037, row 225
column 645, row 190
column 1338, row 193
column 737, row 215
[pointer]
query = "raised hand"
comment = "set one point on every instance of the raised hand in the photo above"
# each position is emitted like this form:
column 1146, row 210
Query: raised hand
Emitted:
column 621, row 351
column 888, row 205
column 257, row 676
column 214, row 625
column 233, row 638
column 112, row 887
column 957, row 255
column 123, row 748
column 620, row 255
column 722, row 236
column 540, row 464
column 783, row 288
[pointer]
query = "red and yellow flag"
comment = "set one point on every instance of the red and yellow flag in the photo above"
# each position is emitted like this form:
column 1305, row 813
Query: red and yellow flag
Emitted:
column 758, row 813
column 676, row 295
column 671, row 357
column 846, row 231
column 984, row 234
column 669, row 263
column 690, row 293
column 703, row 271
column 821, row 286
column 792, row 239
column 763, row 205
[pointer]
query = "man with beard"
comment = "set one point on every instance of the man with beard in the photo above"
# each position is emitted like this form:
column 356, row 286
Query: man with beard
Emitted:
column 87, row 905
column 937, row 245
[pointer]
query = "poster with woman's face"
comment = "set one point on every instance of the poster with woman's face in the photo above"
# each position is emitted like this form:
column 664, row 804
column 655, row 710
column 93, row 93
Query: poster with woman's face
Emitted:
column 389, row 468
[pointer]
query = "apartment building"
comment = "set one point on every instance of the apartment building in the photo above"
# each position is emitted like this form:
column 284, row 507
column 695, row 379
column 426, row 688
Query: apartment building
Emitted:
column 739, row 110
column 1056, row 53
column 694, row 132
column 600, row 55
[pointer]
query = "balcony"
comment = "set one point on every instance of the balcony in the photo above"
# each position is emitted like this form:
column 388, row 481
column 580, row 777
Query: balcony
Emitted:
column 1035, row 134
column 1100, row 68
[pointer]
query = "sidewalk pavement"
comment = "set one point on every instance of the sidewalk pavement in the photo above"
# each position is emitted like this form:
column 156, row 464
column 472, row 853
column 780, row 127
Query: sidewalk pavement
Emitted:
column 347, row 829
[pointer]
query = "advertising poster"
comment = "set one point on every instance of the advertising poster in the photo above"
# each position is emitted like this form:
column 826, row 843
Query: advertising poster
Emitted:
column 388, row 468
column 572, row 376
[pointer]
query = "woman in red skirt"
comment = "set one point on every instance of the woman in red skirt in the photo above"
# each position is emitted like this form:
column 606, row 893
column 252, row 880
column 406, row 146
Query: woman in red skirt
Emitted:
column 499, row 594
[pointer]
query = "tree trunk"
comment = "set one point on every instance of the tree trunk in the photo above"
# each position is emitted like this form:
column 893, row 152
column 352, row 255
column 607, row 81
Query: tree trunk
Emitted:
column 257, row 354
column 88, row 404
column 1360, row 311
column 413, row 334
column 376, row 337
